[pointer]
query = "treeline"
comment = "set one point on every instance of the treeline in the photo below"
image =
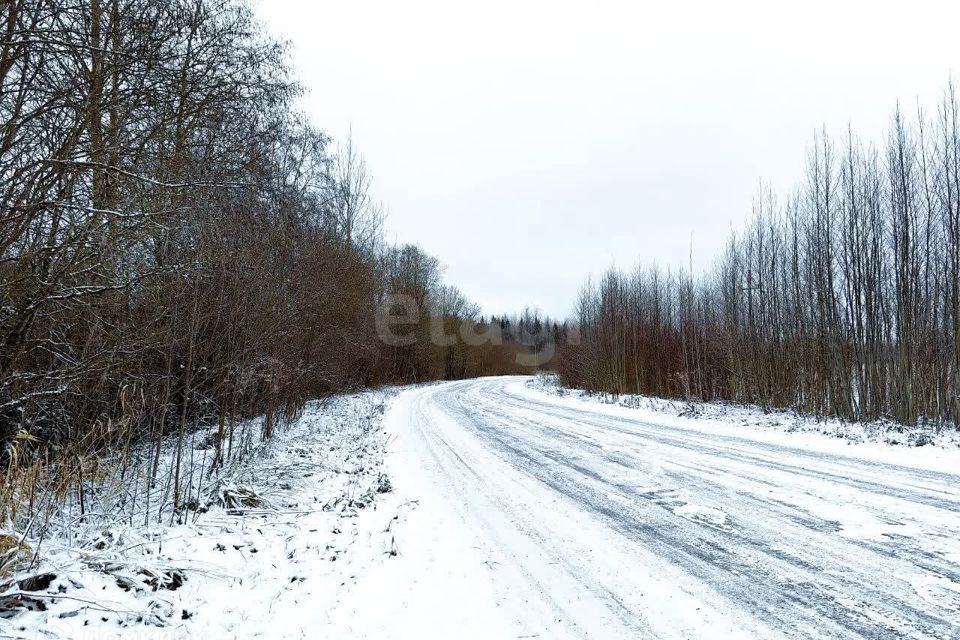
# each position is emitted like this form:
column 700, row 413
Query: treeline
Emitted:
column 534, row 338
column 842, row 300
column 178, row 245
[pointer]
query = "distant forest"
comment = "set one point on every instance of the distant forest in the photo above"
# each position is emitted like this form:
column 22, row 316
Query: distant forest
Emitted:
column 842, row 299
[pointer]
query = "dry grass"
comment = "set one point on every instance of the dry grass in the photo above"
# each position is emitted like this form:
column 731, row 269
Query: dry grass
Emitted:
column 14, row 554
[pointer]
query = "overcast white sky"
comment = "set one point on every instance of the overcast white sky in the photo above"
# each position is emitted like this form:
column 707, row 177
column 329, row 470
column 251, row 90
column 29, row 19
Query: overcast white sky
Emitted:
column 527, row 143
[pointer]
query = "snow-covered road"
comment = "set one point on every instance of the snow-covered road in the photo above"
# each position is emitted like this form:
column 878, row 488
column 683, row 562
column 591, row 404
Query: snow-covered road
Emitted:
column 552, row 517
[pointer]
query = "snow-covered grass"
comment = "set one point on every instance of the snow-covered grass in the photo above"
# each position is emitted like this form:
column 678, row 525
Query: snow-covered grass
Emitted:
column 277, row 535
column 754, row 417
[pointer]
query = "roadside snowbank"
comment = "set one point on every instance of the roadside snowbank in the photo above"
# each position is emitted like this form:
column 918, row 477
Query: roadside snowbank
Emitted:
column 300, row 522
column 881, row 443
column 877, row 431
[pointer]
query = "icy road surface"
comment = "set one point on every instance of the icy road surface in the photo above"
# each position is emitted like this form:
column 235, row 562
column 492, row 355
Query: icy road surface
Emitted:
column 551, row 517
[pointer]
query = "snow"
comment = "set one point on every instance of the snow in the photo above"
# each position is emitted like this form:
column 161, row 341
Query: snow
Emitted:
column 271, row 571
column 755, row 418
column 879, row 440
column 610, row 521
column 699, row 512
column 504, row 508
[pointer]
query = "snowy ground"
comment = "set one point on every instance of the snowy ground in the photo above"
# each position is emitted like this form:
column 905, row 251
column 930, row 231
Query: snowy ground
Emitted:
column 581, row 519
column 498, row 508
column 882, row 431
column 272, row 569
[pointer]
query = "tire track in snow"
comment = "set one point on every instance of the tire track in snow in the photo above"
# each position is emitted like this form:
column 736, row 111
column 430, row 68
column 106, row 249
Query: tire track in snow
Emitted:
column 761, row 527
